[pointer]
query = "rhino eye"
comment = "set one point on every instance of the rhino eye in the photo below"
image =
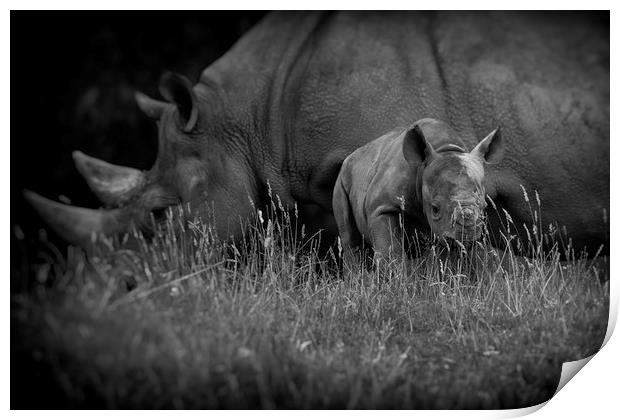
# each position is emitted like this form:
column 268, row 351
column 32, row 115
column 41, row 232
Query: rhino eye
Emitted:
column 435, row 211
column 159, row 214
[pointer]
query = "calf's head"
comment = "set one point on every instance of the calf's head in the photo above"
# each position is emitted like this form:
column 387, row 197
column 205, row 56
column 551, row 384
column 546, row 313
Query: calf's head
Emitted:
column 451, row 182
column 199, row 162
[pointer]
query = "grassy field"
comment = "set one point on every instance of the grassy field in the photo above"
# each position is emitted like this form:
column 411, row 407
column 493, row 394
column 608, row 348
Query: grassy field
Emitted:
column 185, row 320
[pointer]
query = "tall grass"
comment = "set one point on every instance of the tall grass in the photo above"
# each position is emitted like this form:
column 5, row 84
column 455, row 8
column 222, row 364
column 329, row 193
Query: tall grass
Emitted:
column 186, row 319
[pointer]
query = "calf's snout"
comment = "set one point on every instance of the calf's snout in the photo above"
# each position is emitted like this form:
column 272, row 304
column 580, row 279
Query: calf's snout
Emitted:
column 465, row 216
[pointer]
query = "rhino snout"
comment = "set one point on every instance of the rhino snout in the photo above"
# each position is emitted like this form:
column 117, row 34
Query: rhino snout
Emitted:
column 466, row 217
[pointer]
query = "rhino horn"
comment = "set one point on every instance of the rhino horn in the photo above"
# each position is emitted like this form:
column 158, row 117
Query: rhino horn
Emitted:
column 151, row 107
column 76, row 225
column 112, row 184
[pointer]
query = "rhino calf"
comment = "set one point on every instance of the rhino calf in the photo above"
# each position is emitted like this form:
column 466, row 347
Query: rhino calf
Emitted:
column 420, row 178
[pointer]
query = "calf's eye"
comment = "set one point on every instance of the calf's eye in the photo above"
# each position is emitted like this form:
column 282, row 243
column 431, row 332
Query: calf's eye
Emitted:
column 159, row 214
column 435, row 210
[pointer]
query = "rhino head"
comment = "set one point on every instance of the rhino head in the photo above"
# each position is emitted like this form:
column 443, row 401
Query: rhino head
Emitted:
column 196, row 163
column 451, row 180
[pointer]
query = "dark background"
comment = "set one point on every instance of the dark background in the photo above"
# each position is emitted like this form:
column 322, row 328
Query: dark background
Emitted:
column 73, row 75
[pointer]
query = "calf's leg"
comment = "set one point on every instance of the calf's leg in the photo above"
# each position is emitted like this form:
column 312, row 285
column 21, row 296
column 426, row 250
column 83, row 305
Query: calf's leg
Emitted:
column 350, row 236
column 387, row 240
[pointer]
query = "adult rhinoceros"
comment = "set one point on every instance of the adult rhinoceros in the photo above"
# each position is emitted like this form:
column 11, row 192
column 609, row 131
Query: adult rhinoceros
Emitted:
column 300, row 91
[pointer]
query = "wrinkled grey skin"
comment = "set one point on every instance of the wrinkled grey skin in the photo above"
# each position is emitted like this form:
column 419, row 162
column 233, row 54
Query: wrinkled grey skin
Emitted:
column 301, row 91
column 419, row 178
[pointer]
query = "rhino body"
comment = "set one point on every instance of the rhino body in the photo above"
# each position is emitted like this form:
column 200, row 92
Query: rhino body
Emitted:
column 301, row 91
column 414, row 179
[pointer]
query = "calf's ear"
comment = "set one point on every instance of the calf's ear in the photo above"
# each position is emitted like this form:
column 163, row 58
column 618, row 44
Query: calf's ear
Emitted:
column 178, row 90
column 415, row 147
column 491, row 148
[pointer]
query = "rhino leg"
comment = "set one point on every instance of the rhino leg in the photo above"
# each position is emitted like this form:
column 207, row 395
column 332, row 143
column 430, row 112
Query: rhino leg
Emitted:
column 350, row 236
column 387, row 237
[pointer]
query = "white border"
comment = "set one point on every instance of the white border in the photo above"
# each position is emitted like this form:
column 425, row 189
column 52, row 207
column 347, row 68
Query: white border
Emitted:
column 314, row 5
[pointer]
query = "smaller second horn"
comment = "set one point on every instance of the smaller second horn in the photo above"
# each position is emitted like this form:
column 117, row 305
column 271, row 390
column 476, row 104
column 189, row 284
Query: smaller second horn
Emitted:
column 112, row 184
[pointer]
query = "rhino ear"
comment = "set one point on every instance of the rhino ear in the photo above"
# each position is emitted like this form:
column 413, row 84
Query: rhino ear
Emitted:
column 178, row 89
column 491, row 148
column 415, row 147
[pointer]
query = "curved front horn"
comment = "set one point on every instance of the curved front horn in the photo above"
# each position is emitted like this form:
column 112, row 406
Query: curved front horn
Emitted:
column 76, row 225
column 112, row 184
column 151, row 107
